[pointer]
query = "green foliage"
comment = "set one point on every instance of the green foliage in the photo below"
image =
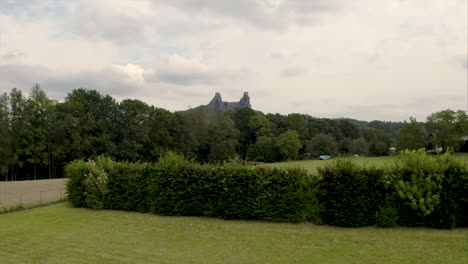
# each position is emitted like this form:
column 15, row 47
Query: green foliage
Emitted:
column 448, row 127
column 415, row 190
column 262, row 150
column 322, row 144
column 177, row 186
column 387, row 216
column 410, row 136
column 96, row 181
column 222, row 139
column 360, row 146
column 76, row 172
column 289, row 144
column 350, row 195
column 432, row 191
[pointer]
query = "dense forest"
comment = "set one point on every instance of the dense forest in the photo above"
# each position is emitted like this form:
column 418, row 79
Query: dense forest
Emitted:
column 38, row 136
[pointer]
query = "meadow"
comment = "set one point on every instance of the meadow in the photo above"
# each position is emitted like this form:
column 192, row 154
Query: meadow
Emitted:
column 380, row 162
column 60, row 234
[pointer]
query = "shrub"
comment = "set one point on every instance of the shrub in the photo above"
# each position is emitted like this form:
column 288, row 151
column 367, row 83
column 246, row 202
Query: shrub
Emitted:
column 452, row 209
column 76, row 171
column 350, row 195
column 127, row 187
column 96, row 180
column 431, row 191
column 415, row 190
column 177, row 186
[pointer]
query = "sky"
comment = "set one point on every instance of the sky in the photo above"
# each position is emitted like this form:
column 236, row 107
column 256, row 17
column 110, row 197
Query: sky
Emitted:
column 363, row 59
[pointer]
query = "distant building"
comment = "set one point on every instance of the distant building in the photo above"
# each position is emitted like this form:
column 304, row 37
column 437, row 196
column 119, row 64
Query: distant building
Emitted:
column 218, row 105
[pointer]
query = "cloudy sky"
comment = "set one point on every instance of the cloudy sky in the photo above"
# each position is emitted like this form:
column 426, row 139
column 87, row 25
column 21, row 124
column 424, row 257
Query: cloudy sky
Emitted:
column 364, row 59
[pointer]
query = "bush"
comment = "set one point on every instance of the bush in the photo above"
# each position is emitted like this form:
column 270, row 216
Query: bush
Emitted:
column 127, row 187
column 452, row 209
column 350, row 195
column 177, row 186
column 415, row 190
column 76, row 171
column 432, row 191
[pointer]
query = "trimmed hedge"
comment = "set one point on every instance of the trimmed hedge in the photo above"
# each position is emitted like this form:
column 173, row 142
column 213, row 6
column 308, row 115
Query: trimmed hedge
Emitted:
column 177, row 186
column 350, row 195
column 415, row 190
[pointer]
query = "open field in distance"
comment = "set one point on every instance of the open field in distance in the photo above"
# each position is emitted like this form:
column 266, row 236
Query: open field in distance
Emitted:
column 60, row 234
column 13, row 193
column 312, row 165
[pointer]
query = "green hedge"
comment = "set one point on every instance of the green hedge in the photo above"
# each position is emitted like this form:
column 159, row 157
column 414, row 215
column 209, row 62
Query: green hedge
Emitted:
column 350, row 195
column 177, row 186
column 415, row 190
column 430, row 190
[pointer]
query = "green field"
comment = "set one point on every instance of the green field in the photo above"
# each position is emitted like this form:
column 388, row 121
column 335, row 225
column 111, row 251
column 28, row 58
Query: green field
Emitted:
column 60, row 234
column 312, row 165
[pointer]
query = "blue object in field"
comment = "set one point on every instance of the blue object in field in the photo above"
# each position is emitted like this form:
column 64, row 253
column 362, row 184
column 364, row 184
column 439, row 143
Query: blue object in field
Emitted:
column 324, row 157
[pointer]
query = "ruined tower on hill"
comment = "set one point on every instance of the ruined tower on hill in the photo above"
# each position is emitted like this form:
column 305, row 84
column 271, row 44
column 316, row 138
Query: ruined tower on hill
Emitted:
column 218, row 105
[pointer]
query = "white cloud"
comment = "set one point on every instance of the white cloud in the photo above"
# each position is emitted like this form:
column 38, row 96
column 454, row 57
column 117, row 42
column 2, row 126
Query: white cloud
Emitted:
column 362, row 59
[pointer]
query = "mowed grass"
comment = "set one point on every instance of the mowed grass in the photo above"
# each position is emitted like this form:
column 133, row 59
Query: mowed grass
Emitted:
column 60, row 234
column 380, row 162
column 313, row 165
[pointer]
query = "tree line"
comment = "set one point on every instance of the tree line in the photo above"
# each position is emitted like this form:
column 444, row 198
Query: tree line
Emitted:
column 38, row 135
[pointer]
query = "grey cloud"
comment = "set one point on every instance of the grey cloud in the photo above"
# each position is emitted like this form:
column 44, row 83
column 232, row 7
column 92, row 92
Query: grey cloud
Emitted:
column 292, row 71
column 11, row 55
column 97, row 22
column 181, row 77
column 109, row 81
column 262, row 13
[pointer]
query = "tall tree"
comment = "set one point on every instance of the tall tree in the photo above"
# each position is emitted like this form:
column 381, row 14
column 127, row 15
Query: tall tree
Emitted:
column 34, row 142
column 133, row 130
column 448, row 127
column 410, row 136
column 223, row 137
column 322, row 144
column 5, row 137
column 241, row 118
column 17, row 125
column 87, row 121
column 289, row 144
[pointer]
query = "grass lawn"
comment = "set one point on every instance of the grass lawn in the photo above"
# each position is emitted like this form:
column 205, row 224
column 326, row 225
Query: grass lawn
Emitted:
column 59, row 234
column 312, row 165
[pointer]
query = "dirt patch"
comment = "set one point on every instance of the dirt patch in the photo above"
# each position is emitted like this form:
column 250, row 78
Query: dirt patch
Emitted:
column 28, row 192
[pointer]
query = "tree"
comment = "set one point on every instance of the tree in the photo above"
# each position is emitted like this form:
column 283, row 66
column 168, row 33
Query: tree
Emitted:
column 87, row 121
column 448, row 127
column 345, row 146
column 289, row 144
column 17, row 125
column 298, row 123
column 360, row 146
column 410, row 136
column 322, row 144
column 262, row 150
column 133, row 130
column 380, row 142
column 223, row 137
column 241, row 117
column 34, row 142
column 5, row 137
column 260, row 126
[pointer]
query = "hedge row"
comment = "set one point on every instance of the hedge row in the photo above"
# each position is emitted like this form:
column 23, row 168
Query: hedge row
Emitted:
column 177, row 186
column 415, row 190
